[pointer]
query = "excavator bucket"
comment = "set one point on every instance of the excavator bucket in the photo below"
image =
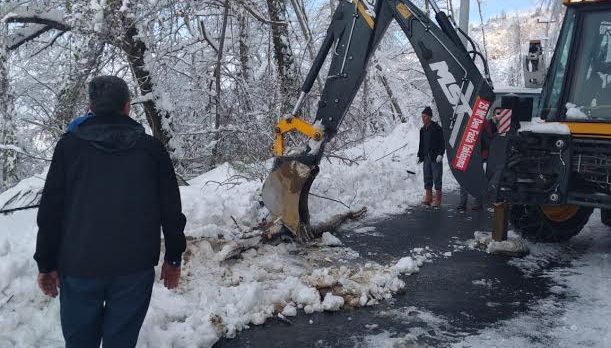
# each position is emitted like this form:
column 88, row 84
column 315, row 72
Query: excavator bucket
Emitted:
column 285, row 194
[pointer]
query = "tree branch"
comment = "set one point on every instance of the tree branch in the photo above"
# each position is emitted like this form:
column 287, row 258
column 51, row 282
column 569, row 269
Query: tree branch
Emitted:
column 38, row 19
column 202, row 30
column 250, row 9
column 40, row 24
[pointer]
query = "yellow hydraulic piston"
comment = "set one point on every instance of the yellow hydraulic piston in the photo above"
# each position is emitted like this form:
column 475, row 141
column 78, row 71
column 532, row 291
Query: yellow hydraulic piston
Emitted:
column 294, row 124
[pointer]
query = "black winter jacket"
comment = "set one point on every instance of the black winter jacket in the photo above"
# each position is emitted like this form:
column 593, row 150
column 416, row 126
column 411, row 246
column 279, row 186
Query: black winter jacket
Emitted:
column 109, row 189
column 431, row 142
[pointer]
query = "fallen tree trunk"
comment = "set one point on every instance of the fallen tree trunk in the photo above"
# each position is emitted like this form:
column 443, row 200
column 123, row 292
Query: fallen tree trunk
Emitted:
column 275, row 230
column 271, row 233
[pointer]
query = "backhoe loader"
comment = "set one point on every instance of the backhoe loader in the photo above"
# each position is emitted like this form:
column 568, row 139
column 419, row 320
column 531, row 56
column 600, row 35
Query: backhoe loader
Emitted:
column 550, row 157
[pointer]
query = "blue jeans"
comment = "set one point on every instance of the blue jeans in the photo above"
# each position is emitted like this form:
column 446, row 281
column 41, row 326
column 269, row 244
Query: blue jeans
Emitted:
column 432, row 173
column 108, row 309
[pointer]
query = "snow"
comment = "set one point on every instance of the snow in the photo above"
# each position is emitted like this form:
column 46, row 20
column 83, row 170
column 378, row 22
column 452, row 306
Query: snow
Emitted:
column 216, row 298
column 231, row 282
column 32, row 11
column 124, row 6
column 289, row 310
column 25, row 193
column 577, row 313
column 517, row 90
column 406, row 265
column 537, row 125
column 355, row 185
column 332, row 302
column 330, row 240
column 513, row 246
column 574, row 112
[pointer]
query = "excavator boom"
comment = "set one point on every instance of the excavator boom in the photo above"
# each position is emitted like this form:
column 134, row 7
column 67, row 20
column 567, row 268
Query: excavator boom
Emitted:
column 462, row 95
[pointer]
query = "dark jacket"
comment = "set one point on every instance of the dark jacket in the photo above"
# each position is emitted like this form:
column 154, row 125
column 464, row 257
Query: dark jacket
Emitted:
column 431, row 142
column 109, row 189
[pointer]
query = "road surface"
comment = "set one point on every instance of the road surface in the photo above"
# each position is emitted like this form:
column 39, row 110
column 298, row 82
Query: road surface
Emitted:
column 449, row 298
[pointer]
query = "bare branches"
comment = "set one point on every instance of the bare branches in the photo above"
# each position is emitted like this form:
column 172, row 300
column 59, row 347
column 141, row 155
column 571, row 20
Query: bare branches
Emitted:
column 34, row 18
column 256, row 14
column 21, row 151
column 38, row 23
column 50, row 43
column 202, row 31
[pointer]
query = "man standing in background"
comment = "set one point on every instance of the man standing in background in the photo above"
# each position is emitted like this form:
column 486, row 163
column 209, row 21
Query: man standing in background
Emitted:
column 430, row 154
column 109, row 190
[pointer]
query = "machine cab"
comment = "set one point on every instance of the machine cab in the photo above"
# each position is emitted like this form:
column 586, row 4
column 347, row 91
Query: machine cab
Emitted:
column 578, row 85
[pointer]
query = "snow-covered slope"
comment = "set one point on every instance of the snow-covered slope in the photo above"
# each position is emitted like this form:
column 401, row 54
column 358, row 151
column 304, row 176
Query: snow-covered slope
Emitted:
column 378, row 180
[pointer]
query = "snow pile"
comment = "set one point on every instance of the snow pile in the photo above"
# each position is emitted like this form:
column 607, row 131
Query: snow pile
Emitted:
column 359, row 286
column 214, row 199
column 537, row 125
column 407, row 265
column 229, row 282
column 25, row 193
column 223, row 298
column 382, row 184
column 27, row 318
column 513, row 246
column 330, row 240
column 217, row 296
column 332, row 302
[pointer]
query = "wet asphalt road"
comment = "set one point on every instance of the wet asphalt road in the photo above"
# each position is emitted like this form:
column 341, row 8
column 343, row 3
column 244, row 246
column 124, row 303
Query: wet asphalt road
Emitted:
column 442, row 290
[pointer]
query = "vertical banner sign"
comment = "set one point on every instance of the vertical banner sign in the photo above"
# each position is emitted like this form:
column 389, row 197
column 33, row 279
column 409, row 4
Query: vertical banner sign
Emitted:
column 471, row 135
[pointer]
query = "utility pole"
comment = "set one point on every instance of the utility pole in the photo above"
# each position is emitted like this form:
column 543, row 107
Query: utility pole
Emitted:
column 463, row 18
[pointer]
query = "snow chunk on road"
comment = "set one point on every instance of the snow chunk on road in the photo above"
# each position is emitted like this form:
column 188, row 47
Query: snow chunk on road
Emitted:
column 407, row 265
column 332, row 302
column 289, row 310
column 330, row 240
column 306, row 295
column 513, row 246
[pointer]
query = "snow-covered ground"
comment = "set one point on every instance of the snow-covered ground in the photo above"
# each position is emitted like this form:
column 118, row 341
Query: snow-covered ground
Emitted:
column 220, row 297
column 379, row 182
column 578, row 313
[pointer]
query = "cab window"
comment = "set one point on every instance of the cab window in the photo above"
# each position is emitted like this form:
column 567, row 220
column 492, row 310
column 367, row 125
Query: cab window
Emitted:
column 589, row 94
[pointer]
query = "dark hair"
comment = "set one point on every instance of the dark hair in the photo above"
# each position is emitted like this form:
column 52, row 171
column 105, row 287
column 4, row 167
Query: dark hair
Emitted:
column 107, row 95
column 427, row 110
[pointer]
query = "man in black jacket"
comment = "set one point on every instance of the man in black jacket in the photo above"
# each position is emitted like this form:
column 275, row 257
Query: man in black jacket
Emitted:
column 109, row 190
column 430, row 153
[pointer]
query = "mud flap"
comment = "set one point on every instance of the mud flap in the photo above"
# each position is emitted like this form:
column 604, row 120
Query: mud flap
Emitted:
column 285, row 194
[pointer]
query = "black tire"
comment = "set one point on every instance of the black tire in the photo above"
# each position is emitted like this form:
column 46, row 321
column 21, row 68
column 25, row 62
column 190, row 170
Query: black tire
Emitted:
column 605, row 216
column 532, row 223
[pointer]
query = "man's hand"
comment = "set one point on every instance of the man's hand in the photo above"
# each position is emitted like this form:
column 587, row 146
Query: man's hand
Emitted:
column 439, row 158
column 170, row 275
column 49, row 283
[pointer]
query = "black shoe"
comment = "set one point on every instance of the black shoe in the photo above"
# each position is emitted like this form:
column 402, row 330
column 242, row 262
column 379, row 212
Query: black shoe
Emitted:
column 461, row 208
column 477, row 207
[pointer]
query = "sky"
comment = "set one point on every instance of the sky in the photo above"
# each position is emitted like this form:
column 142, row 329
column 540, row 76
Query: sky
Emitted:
column 491, row 8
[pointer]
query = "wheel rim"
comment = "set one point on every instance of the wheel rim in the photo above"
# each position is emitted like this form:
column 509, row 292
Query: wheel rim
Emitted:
column 559, row 213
